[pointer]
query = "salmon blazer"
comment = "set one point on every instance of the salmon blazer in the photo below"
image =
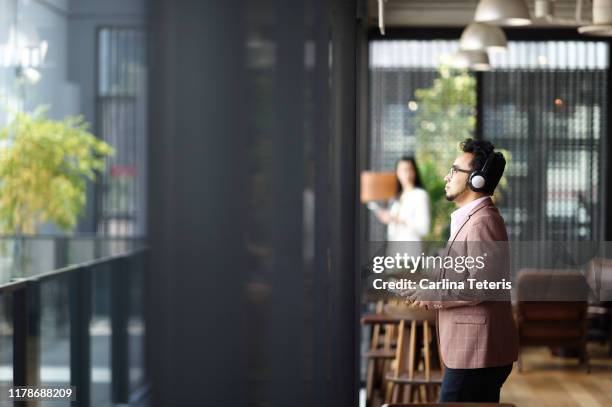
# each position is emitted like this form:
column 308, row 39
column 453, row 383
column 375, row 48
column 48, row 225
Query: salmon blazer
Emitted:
column 481, row 334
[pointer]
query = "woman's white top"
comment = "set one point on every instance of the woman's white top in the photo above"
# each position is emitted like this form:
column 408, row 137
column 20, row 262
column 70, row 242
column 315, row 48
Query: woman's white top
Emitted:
column 412, row 208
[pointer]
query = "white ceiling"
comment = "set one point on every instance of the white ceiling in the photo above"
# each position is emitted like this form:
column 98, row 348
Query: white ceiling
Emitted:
column 453, row 13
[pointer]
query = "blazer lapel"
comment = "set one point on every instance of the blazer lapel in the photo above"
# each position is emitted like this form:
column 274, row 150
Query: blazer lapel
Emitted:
column 481, row 205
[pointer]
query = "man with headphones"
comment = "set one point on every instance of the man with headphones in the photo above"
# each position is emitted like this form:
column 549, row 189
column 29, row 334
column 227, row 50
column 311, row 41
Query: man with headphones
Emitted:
column 483, row 169
column 478, row 339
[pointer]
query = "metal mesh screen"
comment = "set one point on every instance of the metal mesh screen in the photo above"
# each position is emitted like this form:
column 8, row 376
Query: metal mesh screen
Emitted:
column 392, row 120
column 544, row 102
column 551, row 117
column 392, row 127
column 121, row 120
column 397, row 70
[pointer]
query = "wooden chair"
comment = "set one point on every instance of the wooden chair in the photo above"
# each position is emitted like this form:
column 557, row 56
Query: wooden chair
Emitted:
column 598, row 274
column 560, row 323
column 422, row 384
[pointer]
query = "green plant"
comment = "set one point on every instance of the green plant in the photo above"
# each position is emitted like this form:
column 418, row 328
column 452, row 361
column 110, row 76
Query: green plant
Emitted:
column 440, row 207
column 44, row 168
column 446, row 116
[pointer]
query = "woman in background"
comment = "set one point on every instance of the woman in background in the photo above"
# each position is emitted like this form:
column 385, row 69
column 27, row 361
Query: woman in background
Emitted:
column 408, row 218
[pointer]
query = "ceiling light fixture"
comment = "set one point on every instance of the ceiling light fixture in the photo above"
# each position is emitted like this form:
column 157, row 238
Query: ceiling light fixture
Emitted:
column 483, row 37
column 545, row 10
column 476, row 60
column 381, row 16
column 602, row 20
column 503, row 12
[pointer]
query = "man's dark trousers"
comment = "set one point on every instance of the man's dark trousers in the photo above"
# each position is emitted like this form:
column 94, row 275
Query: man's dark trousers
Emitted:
column 473, row 385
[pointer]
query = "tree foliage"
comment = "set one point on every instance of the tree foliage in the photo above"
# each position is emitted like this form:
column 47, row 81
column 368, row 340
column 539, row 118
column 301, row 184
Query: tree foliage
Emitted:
column 446, row 116
column 44, row 168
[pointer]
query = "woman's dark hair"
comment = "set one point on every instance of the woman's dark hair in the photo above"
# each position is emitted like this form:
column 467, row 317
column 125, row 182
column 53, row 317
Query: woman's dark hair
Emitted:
column 417, row 176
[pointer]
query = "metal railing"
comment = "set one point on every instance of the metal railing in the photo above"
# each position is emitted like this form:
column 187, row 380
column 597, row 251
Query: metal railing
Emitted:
column 28, row 256
column 80, row 326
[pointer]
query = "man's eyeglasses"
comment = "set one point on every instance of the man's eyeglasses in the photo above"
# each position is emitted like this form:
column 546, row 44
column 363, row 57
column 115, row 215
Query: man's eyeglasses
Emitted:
column 454, row 169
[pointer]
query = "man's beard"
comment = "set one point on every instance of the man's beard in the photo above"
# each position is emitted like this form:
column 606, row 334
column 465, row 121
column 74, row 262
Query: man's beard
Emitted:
column 451, row 198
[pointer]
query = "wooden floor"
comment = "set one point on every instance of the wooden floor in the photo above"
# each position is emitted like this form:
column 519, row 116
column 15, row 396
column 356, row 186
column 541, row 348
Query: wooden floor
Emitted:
column 549, row 381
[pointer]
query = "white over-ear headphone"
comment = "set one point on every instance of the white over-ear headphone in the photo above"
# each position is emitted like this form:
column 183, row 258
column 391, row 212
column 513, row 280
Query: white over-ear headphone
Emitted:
column 478, row 178
column 478, row 182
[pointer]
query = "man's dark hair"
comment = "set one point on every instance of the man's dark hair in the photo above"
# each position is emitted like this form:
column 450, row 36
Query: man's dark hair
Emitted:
column 481, row 150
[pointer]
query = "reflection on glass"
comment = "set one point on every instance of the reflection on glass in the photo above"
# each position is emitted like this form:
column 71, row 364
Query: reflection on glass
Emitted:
column 55, row 335
column 100, row 333
column 136, row 327
column 6, row 344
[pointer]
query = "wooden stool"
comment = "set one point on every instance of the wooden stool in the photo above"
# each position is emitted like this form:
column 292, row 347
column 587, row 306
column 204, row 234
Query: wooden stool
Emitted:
column 382, row 351
column 405, row 372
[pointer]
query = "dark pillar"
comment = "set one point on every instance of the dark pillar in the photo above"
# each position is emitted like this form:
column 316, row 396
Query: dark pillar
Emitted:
column 250, row 294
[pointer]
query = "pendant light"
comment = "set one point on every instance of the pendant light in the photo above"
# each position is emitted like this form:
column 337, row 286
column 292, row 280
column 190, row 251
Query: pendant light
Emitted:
column 476, row 60
column 503, row 12
column 602, row 20
column 483, row 37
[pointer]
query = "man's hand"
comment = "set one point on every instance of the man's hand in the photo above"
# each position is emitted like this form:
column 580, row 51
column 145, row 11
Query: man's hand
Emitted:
column 408, row 294
column 430, row 305
column 413, row 301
